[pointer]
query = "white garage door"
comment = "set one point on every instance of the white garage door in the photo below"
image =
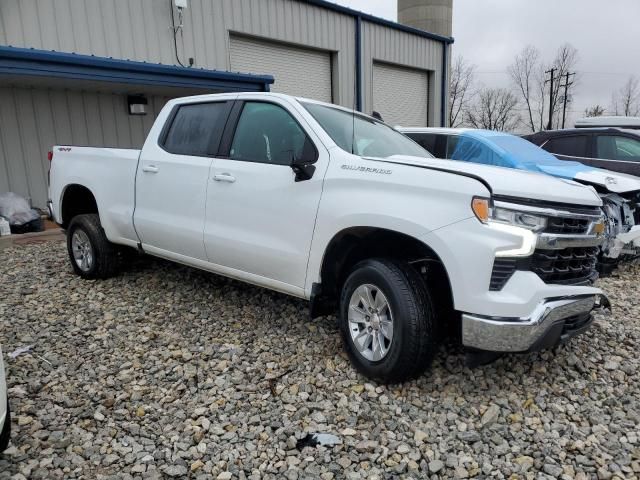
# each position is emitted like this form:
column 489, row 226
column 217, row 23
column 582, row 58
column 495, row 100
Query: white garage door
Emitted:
column 297, row 71
column 400, row 95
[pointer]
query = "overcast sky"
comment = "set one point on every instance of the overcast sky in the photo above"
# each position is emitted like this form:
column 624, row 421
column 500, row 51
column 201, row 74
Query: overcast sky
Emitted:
column 489, row 33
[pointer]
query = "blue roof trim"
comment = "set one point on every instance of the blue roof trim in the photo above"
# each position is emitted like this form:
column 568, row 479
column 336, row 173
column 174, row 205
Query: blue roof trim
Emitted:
column 28, row 61
column 379, row 21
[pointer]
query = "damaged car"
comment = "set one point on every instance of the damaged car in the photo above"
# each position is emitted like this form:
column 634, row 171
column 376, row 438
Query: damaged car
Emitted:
column 620, row 192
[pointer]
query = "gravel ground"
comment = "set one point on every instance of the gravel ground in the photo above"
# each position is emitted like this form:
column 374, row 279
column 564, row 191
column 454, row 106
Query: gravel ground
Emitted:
column 170, row 372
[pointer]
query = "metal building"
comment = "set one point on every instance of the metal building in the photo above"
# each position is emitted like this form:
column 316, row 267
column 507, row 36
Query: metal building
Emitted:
column 96, row 72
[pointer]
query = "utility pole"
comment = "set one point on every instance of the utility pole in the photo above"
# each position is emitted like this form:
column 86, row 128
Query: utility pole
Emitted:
column 551, row 105
column 566, row 86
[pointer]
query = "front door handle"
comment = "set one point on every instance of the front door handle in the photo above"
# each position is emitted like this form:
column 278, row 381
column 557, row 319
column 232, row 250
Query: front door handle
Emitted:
column 150, row 169
column 224, row 177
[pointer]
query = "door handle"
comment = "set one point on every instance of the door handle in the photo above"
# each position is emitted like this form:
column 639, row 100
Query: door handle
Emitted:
column 224, row 177
column 150, row 169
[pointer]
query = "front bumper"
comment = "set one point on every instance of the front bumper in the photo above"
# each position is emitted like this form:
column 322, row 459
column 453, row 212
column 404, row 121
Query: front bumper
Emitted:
column 552, row 322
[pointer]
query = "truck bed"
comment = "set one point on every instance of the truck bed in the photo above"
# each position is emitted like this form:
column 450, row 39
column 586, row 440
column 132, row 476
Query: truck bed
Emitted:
column 109, row 173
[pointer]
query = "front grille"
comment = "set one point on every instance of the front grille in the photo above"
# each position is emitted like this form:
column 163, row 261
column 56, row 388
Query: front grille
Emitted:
column 568, row 266
column 567, row 226
column 503, row 268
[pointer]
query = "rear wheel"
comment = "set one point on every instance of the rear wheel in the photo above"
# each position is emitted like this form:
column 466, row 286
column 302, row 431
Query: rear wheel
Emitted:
column 386, row 320
column 6, row 430
column 90, row 252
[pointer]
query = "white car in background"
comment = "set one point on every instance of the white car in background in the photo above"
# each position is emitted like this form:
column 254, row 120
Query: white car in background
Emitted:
column 5, row 419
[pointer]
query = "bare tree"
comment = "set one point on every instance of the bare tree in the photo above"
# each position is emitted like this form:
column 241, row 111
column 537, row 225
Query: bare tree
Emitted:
column 494, row 109
column 528, row 75
column 626, row 101
column 462, row 77
column 595, row 111
column 525, row 73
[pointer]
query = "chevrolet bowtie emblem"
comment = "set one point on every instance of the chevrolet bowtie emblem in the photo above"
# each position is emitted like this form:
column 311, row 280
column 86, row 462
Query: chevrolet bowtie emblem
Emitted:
column 599, row 228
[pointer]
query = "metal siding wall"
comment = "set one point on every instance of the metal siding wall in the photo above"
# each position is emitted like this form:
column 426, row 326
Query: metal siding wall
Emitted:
column 33, row 120
column 402, row 48
column 139, row 30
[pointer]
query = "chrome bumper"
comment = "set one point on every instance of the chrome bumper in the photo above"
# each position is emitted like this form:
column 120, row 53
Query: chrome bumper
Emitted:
column 548, row 241
column 50, row 209
column 552, row 322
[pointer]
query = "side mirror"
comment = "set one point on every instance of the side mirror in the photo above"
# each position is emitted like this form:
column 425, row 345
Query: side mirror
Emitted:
column 303, row 171
column 303, row 166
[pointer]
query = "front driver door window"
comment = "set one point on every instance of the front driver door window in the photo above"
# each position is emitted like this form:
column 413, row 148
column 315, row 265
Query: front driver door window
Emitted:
column 259, row 220
column 267, row 133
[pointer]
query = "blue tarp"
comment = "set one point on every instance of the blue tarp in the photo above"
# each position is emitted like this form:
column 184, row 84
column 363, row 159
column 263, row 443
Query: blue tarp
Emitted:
column 504, row 150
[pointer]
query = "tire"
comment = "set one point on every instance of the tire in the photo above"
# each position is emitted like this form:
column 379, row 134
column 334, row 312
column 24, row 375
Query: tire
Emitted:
column 6, row 431
column 86, row 240
column 411, row 348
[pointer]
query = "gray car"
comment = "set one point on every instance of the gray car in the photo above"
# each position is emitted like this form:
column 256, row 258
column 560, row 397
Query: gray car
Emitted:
column 615, row 149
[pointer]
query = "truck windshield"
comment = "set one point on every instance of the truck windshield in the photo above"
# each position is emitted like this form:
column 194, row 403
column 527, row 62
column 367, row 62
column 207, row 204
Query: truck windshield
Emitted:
column 372, row 138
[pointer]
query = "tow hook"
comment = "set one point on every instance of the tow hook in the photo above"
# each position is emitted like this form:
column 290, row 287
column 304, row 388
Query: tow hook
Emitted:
column 602, row 305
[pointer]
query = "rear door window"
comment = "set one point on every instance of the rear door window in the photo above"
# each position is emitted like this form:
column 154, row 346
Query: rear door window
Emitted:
column 614, row 147
column 571, row 146
column 196, row 129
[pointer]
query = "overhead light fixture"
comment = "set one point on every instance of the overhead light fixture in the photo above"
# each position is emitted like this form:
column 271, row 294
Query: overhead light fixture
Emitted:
column 137, row 104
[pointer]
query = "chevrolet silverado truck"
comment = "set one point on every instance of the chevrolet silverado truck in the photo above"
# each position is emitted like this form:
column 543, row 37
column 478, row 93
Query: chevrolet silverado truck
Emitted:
column 338, row 208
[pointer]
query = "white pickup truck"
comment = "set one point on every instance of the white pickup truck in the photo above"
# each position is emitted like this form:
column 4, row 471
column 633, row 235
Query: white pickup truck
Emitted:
column 333, row 206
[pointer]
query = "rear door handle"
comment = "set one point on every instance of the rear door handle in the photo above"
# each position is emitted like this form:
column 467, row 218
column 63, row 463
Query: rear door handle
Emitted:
column 224, row 177
column 150, row 169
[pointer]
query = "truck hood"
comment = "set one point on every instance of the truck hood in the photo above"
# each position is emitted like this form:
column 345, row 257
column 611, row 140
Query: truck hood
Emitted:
column 511, row 182
column 615, row 182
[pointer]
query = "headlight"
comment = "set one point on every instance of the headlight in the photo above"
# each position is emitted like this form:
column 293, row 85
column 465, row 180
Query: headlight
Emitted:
column 514, row 222
column 529, row 221
column 485, row 212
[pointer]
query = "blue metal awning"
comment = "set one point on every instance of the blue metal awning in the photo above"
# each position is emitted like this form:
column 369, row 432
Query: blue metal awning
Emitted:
column 51, row 64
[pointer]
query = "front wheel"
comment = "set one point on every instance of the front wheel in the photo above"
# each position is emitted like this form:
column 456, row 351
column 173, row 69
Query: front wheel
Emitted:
column 386, row 320
column 90, row 252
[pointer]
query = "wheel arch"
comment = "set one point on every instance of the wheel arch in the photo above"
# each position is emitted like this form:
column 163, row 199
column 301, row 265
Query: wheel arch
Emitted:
column 76, row 200
column 352, row 245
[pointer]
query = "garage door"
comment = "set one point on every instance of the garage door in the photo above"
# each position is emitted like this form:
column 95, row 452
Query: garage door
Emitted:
column 297, row 71
column 400, row 95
